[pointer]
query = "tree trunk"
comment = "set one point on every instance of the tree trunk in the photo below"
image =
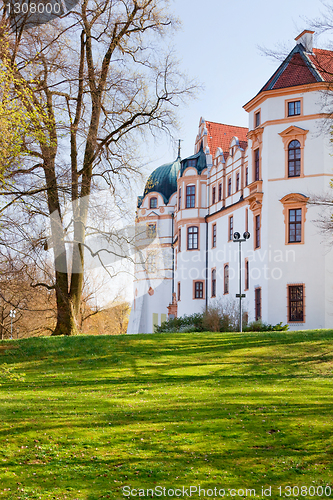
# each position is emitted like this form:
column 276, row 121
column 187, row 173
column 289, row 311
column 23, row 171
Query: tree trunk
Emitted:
column 66, row 317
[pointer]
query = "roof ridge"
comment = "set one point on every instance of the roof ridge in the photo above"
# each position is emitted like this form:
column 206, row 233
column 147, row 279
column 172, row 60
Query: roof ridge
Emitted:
column 226, row 124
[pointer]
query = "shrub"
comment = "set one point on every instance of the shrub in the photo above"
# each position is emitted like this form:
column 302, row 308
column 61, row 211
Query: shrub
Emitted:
column 219, row 317
column 259, row 326
column 223, row 317
column 192, row 323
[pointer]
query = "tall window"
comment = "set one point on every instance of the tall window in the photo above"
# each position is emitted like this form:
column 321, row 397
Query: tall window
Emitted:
column 247, row 275
column 179, row 240
column 192, row 238
column 214, row 283
column 237, row 181
column 229, row 186
column 220, row 192
column 151, row 263
column 213, row 195
column 178, row 290
column 257, row 119
column 247, row 176
column 179, row 198
column 226, row 278
column 296, row 302
column 198, row 290
column 190, row 196
column 295, row 225
column 256, row 165
column 257, row 224
column 151, row 231
column 231, row 227
column 294, row 108
column 294, row 159
column 153, row 203
column 214, row 236
column 257, row 297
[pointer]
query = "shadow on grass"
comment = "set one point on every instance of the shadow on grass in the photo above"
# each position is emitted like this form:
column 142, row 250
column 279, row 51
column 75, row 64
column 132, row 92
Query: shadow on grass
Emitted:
column 220, row 415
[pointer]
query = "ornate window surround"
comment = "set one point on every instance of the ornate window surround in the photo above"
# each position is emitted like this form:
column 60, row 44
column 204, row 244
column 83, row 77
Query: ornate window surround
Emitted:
column 294, row 201
column 293, row 133
column 256, row 137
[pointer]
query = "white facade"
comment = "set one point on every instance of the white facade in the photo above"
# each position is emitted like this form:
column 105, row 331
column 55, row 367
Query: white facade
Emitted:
column 261, row 182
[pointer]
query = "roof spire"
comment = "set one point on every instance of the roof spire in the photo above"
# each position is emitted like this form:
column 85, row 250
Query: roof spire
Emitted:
column 179, row 141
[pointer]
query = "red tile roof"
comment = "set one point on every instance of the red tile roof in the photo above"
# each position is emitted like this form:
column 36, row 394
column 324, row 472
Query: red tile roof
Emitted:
column 323, row 61
column 220, row 135
column 295, row 73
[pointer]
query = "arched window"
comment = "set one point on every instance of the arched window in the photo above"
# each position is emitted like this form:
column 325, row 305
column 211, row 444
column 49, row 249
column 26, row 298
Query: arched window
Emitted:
column 294, row 159
column 153, row 203
column 226, row 278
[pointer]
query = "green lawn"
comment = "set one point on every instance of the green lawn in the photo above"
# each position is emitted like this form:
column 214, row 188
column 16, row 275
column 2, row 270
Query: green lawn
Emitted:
column 219, row 410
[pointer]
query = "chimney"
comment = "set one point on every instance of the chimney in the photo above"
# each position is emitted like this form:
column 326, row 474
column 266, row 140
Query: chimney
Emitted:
column 306, row 39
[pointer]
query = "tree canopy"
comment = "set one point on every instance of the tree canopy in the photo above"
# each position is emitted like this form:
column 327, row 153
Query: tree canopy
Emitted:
column 94, row 82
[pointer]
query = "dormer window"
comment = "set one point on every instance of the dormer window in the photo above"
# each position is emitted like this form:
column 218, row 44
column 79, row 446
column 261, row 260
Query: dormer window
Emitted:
column 153, row 203
column 294, row 108
column 192, row 163
column 257, row 119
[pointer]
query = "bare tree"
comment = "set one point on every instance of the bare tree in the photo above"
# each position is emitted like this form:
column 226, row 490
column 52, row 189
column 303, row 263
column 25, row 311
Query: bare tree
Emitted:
column 34, row 307
column 93, row 81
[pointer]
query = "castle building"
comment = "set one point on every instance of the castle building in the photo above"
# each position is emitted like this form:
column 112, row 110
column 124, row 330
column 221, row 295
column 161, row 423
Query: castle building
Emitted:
column 258, row 180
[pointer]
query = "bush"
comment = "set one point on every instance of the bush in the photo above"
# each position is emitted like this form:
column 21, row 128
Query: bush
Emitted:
column 259, row 326
column 219, row 317
column 192, row 323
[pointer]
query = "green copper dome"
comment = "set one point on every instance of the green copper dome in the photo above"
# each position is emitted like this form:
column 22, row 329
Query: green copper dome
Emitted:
column 163, row 180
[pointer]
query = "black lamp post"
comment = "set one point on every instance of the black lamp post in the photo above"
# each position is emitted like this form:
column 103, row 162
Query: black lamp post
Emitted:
column 240, row 295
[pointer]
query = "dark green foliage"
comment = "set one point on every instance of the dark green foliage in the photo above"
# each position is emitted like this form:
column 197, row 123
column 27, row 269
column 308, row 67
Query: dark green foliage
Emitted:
column 192, row 323
column 259, row 326
column 216, row 320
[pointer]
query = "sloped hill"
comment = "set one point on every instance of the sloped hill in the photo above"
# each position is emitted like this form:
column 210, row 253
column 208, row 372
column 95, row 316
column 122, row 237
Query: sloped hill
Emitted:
column 93, row 414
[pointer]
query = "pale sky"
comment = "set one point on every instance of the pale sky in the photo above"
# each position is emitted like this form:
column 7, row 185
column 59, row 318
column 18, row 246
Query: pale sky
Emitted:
column 219, row 45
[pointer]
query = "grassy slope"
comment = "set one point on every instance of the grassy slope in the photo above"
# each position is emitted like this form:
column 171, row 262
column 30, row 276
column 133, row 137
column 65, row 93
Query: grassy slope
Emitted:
column 215, row 409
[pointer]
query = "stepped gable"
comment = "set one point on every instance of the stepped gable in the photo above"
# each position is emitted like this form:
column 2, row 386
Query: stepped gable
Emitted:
column 219, row 135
